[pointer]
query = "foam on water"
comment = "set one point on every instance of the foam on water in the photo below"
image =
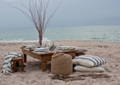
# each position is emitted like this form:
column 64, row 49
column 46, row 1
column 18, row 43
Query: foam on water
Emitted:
column 17, row 41
column 21, row 40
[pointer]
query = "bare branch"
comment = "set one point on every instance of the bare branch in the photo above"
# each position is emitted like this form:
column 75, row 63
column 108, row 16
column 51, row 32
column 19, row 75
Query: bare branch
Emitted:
column 52, row 14
column 37, row 12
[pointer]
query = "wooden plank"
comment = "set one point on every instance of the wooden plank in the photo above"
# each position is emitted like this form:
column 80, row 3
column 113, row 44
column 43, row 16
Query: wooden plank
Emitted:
column 47, row 56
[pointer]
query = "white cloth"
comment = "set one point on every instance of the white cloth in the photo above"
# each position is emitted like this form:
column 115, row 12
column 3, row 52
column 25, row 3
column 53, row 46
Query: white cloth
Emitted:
column 86, row 69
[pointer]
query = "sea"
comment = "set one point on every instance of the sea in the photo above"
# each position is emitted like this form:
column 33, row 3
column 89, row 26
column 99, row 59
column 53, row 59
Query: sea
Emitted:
column 93, row 33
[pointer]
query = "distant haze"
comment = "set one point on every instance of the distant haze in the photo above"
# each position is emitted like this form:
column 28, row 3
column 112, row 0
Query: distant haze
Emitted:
column 72, row 13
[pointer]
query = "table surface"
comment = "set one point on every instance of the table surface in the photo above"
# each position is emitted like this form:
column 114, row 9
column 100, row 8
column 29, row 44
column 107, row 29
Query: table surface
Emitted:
column 49, row 53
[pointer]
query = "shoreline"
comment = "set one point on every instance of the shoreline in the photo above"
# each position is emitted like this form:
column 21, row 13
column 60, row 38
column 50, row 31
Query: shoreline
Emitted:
column 33, row 41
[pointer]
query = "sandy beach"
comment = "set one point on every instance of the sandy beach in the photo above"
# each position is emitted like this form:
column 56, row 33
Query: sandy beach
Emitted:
column 110, row 51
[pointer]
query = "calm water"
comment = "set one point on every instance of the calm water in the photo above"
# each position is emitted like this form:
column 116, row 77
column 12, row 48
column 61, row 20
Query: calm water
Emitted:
column 98, row 33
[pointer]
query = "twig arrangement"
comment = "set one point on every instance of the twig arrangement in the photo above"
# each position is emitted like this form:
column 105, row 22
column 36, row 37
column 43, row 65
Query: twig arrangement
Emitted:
column 37, row 11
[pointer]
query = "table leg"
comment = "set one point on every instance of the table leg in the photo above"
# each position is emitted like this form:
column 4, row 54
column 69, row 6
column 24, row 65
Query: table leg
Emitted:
column 43, row 66
column 14, row 68
column 25, row 58
column 22, row 66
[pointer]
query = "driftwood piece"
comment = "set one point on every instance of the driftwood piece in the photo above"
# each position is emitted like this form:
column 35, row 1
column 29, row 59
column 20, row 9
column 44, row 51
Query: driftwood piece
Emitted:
column 80, row 77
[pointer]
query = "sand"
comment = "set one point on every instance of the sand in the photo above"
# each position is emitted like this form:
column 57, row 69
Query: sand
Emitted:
column 33, row 76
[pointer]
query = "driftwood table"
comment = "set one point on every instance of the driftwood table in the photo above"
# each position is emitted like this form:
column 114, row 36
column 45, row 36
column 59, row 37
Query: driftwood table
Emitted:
column 44, row 57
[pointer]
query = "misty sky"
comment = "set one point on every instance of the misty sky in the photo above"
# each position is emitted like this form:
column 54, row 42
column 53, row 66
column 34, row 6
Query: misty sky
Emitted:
column 71, row 13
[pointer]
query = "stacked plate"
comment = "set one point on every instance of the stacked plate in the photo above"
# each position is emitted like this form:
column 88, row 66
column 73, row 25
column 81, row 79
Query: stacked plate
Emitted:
column 41, row 49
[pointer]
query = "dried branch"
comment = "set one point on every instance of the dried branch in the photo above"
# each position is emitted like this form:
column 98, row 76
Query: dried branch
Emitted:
column 37, row 12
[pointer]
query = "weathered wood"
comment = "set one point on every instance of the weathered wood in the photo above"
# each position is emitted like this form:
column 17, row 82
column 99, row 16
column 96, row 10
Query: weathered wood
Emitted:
column 25, row 58
column 43, row 65
column 44, row 57
column 18, row 64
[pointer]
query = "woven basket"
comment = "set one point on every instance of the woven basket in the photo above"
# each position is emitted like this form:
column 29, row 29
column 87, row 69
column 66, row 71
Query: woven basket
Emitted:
column 61, row 64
